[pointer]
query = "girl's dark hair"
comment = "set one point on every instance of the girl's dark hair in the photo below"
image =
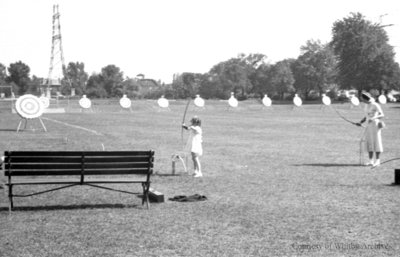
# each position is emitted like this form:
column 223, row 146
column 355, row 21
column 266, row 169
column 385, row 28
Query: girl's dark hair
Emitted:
column 196, row 121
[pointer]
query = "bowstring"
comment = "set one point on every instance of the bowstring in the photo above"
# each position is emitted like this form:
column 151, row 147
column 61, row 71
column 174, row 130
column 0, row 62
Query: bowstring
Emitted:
column 183, row 119
column 344, row 118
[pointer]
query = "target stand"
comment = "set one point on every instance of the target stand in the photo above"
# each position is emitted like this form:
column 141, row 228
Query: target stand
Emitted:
column 29, row 107
column 25, row 121
column 179, row 158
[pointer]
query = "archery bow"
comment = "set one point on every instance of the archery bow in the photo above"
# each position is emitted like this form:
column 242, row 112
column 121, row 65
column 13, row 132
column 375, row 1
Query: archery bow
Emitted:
column 341, row 116
column 184, row 117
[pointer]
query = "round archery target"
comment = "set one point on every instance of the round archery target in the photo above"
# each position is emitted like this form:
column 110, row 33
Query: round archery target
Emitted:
column 45, row 101
column 29, row 106
column 326, row 100
column 162, row 102
column 354, row 101
column 232, row 101
column 297, row 100
column 266, row 101
column 85, row 102
column 125, row 102
column 198, row 101
column 382, row 99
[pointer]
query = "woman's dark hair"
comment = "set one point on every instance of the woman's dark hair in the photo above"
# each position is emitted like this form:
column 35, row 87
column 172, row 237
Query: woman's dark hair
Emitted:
column 196, row 121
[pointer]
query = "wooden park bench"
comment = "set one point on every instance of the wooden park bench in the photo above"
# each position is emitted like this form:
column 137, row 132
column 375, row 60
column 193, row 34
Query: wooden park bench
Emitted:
column 73, row 168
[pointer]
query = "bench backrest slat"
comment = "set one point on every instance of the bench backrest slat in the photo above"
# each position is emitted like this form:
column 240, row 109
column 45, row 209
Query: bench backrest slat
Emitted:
column 39, row 163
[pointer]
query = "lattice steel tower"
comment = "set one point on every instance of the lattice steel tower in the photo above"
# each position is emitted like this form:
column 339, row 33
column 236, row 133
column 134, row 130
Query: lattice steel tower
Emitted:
column 57, row 64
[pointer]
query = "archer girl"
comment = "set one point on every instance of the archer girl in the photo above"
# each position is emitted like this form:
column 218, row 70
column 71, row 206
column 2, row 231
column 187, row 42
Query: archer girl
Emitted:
column 194, row 144
column 373, row 116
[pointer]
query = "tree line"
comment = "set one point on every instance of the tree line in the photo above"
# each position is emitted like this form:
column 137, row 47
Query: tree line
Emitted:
column 358, row 57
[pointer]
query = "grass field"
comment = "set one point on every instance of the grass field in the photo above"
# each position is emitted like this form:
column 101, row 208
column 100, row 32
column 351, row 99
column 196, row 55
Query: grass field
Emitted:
column 279, row 182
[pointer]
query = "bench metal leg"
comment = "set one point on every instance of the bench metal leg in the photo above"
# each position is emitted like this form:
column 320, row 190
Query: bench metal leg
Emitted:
column 146, row 188
column 10, row 197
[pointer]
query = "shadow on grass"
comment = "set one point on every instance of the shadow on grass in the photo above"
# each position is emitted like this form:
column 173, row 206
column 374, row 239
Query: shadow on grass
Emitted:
column 69, row 207
column 8, row 130
column 330, row 165
column 393, row 185
column 170, row 174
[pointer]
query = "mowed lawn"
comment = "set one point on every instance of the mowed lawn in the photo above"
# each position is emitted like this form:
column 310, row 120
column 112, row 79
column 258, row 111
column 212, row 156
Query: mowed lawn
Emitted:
column 280, row 181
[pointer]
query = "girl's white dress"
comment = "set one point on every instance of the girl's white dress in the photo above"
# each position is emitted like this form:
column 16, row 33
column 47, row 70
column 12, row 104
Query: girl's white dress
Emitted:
column 372, row 132
column 195, row 140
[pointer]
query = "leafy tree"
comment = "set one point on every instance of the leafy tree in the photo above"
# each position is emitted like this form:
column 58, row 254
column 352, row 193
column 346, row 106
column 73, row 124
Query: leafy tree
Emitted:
column 3, row 74
column 314, row 69
column 231, row 76
column 75, row 77
column 112, row 80
column 186, row 84
column 365, row 59
column 281, row 78
column 130, row 87
column 261, row 80
column 95, row 86
column 34, row 85
column 19, row 74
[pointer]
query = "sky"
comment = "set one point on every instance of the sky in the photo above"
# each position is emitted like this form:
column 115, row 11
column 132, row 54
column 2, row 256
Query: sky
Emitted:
column 159, row 38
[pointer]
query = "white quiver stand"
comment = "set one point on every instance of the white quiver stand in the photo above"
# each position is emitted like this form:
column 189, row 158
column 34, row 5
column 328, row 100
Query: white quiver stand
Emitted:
column 29, row 107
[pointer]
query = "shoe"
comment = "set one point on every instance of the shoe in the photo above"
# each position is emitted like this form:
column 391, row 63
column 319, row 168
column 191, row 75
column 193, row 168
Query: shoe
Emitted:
column 198, row 175
column 377, row 163
column 370, row 163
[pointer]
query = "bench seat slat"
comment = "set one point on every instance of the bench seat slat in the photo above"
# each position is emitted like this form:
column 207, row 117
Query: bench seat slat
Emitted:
column 55, row 166
column 78, row 153
column 69, row 172
column 46, row 159
column 76, row 180
column 43, row 166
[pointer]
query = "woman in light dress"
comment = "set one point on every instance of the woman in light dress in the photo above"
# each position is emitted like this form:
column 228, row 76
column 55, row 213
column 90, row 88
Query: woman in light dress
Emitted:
column 373, row 119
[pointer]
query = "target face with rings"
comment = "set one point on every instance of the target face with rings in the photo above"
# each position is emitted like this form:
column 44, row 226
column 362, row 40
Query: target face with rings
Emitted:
column 198, row 101
column 29, row 106
column 84, row 102
column 163, row 103
column 45, row 101
column 125, row 102
column 326, row 100
column 267, row 101
column 382, row 99
column 354, row 101
column 297, row 101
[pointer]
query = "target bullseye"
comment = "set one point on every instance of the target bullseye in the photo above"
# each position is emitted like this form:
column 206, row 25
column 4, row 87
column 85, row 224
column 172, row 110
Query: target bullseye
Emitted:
column 29, row 106
column 45, row 101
